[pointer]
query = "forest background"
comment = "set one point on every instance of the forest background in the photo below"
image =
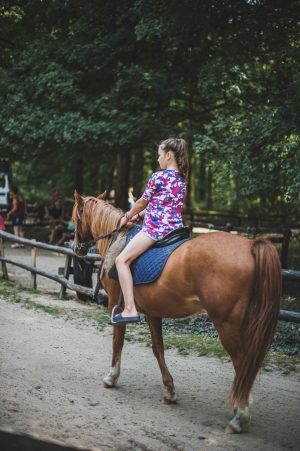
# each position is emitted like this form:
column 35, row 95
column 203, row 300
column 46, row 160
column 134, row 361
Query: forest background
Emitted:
column 89, row 88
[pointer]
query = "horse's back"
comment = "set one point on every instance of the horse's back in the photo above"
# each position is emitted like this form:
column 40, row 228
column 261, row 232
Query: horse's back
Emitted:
column 222, row 248
column 225, row 269
column 209, row 273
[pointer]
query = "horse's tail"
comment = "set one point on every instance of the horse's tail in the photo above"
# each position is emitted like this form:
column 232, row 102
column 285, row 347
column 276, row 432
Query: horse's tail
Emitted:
column 260, row 318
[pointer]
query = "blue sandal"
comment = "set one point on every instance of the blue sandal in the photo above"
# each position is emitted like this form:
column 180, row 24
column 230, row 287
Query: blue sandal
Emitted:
column 119, row 319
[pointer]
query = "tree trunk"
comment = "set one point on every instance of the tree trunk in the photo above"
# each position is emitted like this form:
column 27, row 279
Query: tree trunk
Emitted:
column 201, row 180
column 209, row 189
column 78, row 173
column 137, row 179
column 123, row 178
column 154, row 164
column 108, row 173
column 188, row 200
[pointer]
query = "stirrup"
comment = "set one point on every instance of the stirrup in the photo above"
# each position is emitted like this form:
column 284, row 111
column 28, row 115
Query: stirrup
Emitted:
column 113, row 314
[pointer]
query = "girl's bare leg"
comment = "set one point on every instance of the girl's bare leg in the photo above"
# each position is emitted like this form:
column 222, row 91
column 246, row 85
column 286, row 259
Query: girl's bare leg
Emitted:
column 21, row 232
column 18, row 231
column 139, row 244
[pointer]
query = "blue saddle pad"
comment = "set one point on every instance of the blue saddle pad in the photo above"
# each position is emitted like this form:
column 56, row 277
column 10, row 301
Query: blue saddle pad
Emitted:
column 148, row 266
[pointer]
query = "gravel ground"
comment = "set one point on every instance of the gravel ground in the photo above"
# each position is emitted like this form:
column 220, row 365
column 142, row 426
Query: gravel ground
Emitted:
column 51, row 373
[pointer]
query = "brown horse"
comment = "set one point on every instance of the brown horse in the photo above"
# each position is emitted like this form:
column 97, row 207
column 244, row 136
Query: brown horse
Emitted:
column 237, row 281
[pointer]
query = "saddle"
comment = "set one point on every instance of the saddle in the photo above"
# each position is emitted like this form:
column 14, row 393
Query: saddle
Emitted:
column 179, row 234
column 148, row 266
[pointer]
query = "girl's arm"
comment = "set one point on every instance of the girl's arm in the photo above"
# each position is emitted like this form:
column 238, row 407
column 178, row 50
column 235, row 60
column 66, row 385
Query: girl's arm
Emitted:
column 14, row 208
column 140, row 215
column 138, row 207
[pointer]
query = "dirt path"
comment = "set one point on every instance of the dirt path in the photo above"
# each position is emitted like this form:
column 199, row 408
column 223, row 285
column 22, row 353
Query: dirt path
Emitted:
column 51, row 372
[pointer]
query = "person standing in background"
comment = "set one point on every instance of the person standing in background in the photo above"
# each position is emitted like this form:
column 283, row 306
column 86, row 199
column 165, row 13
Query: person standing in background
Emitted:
column 17, row 213
column 131, row 198
column 54, row 195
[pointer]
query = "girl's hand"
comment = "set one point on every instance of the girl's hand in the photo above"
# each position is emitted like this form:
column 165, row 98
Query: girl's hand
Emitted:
column 123, row 221
column 136, row 218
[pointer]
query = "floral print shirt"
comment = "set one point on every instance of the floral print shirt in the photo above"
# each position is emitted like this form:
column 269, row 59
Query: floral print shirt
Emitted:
column 165, row 193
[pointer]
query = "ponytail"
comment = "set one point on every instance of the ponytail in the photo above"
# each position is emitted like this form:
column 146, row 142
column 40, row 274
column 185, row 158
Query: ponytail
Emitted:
column 179, row 148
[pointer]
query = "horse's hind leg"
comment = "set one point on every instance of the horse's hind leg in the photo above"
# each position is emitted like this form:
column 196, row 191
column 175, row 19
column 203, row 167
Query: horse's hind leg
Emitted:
column 230, row 337
column 118, row 340
column 155, row 326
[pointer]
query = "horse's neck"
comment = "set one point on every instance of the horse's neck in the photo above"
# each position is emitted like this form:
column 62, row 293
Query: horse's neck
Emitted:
column 103, row 224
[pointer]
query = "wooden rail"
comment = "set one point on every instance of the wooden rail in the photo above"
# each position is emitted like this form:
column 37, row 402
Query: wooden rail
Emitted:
column 47, row 247
column 252, row 233
column 64, row 281
column 284, row 315
column 237, row 219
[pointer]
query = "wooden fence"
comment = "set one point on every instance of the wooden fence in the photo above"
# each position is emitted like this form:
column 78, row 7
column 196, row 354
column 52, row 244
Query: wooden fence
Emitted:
column 237, row 219
column 224, row 220
column 284, row 315
column 63, row 280
column 276, row 234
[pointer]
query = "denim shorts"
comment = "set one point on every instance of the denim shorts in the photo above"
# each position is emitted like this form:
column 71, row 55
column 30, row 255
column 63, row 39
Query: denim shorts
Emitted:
column 17, row 220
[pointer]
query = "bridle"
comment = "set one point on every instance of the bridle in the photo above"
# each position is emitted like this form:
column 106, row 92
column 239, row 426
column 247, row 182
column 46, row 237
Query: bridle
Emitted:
column 81, row 247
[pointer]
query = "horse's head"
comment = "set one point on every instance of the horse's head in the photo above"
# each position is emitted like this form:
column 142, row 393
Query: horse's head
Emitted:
column 82, row 219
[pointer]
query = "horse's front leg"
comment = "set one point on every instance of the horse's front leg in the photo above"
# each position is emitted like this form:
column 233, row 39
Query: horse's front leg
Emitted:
column 155, row 326
column 112, row 377
column 114, row 292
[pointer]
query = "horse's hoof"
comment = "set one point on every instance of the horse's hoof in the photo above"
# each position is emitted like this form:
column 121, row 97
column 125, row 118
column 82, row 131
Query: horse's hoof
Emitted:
column 235, row 425
column 107, row 382
column 169, row 399
column 239, row 423
column 229, row 429
column 111, row 378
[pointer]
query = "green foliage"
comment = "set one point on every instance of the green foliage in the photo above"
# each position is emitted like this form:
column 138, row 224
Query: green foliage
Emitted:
column 83, row 82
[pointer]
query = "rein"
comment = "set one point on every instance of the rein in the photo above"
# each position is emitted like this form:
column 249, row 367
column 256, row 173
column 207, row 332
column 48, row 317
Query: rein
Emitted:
column 100, row 237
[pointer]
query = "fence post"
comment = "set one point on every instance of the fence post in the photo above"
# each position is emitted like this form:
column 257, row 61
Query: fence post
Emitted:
column 33, row 260
column 3, row 264
column 67, row 270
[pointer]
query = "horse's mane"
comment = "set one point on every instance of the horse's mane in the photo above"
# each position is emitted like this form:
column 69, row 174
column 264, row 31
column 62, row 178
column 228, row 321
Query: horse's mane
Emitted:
column 98, row 217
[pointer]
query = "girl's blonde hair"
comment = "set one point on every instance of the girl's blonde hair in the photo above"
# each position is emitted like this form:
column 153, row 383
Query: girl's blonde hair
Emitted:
column 179, row 148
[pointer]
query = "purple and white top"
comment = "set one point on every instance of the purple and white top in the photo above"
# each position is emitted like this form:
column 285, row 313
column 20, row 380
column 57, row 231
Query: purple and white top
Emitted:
column 165, row 193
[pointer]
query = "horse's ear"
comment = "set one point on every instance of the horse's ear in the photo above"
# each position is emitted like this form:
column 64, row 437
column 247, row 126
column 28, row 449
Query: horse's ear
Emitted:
column 102, row 196
column 78, row 198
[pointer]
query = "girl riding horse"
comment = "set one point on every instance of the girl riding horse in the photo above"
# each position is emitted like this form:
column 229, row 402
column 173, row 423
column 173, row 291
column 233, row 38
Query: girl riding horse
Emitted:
column 163, row 197
column 235, row 280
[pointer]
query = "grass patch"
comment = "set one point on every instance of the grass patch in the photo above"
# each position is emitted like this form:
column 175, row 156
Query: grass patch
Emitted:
column 185, row 343
column 56, row 311
column 10, row 289
column 31, row 290
column 99, row 315
column 11, row 292
column 281, row 361
column 199, row 344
